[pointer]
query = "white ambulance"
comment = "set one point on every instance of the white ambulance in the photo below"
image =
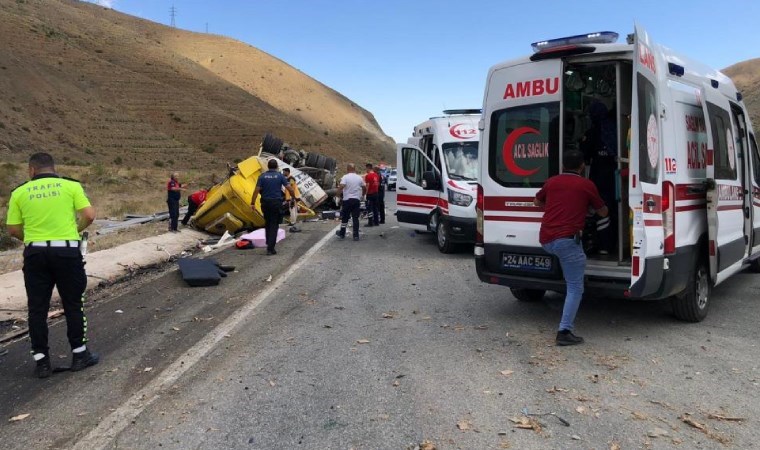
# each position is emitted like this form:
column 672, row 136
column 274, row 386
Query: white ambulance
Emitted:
column 686, row 197
column 445, row 150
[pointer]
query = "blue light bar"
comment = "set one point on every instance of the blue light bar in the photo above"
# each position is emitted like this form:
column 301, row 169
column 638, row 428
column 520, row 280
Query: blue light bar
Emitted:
column 602, row 37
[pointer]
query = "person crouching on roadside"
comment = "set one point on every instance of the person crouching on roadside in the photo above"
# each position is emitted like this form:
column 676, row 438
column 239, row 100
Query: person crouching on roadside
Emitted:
column 194, row 201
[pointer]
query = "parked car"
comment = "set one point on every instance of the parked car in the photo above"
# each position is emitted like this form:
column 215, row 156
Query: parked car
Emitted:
column 392, row 180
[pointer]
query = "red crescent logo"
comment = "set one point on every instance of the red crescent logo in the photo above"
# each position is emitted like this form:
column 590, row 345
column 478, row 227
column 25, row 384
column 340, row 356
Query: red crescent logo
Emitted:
column 458, row 132
column 506, row 152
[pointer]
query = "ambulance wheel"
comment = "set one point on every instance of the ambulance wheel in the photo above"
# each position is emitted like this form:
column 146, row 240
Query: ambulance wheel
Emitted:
column 692, row 304
column 442, row 237
column 528, row 295
column 755, row 265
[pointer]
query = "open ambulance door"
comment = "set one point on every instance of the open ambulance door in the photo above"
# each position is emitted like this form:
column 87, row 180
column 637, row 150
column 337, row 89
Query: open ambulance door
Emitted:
column 413, row 203
column 646, row 179
column 725, row 191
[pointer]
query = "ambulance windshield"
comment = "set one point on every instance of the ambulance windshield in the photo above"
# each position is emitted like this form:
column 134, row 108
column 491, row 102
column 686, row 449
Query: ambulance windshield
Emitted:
column 461, row 160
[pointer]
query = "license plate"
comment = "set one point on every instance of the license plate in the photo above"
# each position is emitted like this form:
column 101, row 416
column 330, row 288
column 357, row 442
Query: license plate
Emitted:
column 534, row 263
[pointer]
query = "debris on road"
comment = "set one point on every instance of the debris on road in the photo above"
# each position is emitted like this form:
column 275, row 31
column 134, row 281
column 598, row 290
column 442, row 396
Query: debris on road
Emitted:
column 526, row 423
column 725, row 418
column 18, row 418
column 201, row 272
column 657, row 432
column 507, row 372
column 563, row 421
column 464, row 425
column 362, row 341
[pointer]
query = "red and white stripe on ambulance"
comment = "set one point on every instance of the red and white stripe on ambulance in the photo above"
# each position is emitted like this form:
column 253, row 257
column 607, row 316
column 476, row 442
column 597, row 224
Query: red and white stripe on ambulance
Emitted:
column 521, row 152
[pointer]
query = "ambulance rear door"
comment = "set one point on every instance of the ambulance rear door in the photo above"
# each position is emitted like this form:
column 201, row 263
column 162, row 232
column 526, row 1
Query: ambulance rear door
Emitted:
column 645, row 189
column 725, row 191
column 413, row 203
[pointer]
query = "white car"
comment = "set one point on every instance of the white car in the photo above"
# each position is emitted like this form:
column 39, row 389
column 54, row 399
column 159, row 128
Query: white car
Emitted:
column 392, row 180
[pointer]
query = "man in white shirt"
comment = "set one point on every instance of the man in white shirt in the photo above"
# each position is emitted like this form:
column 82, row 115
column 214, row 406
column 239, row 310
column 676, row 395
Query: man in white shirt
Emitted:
column 351, row 190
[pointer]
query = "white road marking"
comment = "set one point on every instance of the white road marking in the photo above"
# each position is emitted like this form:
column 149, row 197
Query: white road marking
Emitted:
column 113, row 424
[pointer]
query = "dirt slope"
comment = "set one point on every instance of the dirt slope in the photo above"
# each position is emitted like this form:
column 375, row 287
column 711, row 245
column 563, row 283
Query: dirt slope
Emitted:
column 746, row 76
column 96, row 86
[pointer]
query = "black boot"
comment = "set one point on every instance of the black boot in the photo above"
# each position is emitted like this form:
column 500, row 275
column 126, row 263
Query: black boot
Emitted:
column 83, row 360
column 43, row 369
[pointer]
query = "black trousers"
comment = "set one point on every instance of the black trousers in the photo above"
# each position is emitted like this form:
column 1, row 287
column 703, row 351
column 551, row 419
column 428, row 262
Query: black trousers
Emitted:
column 45, row 267
column 381, row 203
column 191, row 208
column 173, row 213
column 350, row 208
column 272, row 218
column 373, row 216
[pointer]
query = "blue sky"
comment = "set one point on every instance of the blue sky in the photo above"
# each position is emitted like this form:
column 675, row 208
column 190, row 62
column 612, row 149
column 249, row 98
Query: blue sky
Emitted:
column 407, row 60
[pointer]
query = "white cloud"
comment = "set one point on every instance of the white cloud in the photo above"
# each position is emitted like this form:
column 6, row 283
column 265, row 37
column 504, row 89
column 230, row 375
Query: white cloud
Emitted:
column 106, row 3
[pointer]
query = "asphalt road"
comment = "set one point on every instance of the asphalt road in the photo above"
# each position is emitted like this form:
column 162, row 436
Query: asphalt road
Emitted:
column 386, row 343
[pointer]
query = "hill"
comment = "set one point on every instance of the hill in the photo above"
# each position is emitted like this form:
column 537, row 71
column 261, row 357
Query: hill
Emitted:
column 95, row 86
column 746, row 76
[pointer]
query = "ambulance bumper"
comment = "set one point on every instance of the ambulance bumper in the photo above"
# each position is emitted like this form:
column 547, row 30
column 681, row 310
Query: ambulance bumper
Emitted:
column 600, row 287
column 461, row 230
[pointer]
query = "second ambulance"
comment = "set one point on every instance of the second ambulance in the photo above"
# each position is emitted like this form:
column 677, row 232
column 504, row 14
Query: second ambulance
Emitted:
column 437, row 176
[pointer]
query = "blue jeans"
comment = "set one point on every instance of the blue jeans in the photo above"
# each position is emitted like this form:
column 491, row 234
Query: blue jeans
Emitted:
column 573, row 262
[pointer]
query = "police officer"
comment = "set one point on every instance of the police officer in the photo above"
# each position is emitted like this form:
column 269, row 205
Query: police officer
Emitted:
column 48, row 212
column 269, row 185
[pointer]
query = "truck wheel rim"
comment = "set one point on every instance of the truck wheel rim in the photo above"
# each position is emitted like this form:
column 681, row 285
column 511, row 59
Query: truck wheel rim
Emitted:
column 441, row 235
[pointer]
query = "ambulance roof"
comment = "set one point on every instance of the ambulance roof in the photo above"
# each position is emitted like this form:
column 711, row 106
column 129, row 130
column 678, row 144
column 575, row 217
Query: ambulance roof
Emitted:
column 694, row 71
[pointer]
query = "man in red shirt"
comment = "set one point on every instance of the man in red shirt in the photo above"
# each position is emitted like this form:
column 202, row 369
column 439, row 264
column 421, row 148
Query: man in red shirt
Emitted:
column 194, row 201
column 372, row 180
column 566, row 199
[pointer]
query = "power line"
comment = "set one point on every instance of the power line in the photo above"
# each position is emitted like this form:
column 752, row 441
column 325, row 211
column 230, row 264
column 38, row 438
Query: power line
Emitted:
column 173, row 14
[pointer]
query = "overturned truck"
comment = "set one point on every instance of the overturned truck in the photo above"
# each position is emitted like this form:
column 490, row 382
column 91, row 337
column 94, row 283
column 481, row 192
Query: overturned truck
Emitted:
column 228, row 204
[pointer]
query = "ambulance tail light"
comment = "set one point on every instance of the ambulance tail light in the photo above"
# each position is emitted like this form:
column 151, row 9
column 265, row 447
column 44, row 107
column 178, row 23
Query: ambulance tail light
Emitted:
column 669, row 216
column 479, row 207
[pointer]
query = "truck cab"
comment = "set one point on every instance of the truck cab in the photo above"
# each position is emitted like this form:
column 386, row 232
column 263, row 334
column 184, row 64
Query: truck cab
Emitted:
column 437, row 178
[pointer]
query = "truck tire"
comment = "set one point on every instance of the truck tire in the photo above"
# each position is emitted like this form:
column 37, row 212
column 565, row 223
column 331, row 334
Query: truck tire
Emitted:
column 692, row 304
column 271, row 144
column 331, row 164
column 311, row 160
column 528, row 295
column 442, row 235
column 321, row 160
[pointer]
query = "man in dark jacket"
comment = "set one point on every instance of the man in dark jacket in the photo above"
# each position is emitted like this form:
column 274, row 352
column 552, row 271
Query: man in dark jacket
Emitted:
column 269, row 185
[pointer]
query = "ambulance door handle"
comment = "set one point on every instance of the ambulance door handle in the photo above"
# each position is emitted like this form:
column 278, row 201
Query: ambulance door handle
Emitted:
column 402, row 188
column 746, row 212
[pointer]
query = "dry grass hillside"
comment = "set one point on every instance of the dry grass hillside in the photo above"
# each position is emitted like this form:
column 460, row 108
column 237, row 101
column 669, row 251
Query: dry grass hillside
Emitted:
column 746, row 76
column 97, row 87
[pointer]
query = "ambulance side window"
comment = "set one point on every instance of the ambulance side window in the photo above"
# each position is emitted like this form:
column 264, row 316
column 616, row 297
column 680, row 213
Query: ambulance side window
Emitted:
column 723, row 141
column 755, row 160
column 649, row 135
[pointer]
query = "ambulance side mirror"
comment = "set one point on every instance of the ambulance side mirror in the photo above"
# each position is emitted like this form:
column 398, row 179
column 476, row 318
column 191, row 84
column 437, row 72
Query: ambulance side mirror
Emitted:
column 430, row 181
